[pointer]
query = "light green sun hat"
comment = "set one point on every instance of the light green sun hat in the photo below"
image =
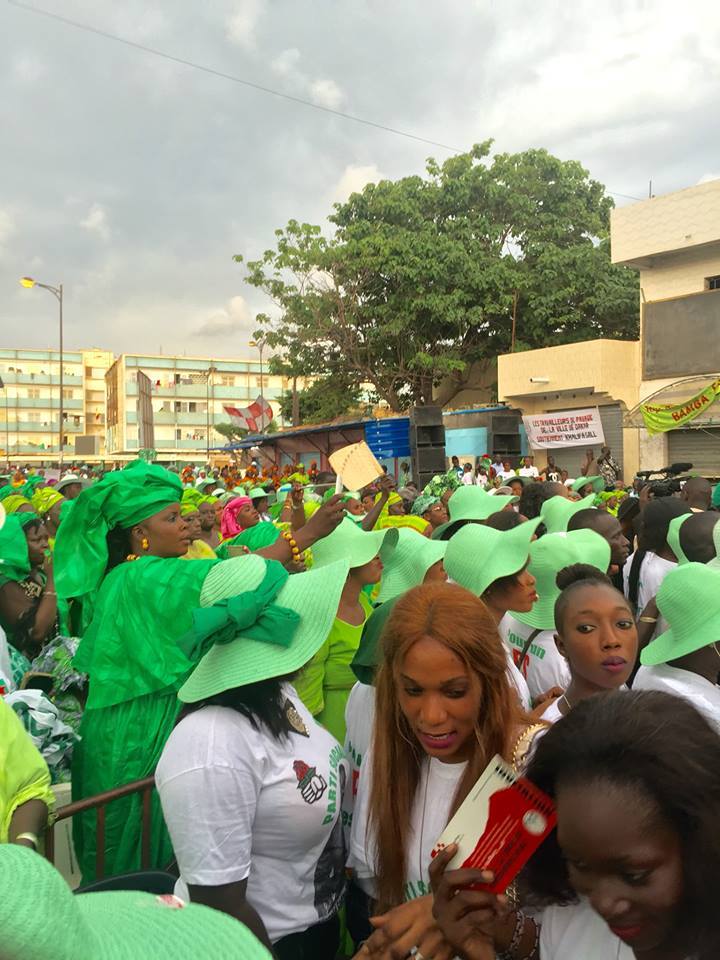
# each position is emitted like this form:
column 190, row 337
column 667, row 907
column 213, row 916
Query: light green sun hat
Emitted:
column 673, row 536
column 410, row 561
column 44, row 920
column 349, row 542
column 472, row 503
column 257, row 493
column 478, row 555
column 548, row 556
column 689, row 599
column 259, row 631
column 556, row 512
column 598, row 484
column 716, row 540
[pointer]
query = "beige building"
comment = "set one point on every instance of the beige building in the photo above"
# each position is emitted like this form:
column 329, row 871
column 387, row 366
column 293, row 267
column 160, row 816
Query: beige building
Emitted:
column 674, row 243
column 186, row 399
column 31, row 403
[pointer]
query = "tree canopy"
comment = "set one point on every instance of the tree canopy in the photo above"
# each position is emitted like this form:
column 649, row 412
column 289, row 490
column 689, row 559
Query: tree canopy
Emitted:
column 323, row 400
column 422, row 276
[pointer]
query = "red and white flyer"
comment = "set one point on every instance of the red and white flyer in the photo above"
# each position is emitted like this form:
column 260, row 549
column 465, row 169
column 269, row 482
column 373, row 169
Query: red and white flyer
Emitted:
column 500, row 824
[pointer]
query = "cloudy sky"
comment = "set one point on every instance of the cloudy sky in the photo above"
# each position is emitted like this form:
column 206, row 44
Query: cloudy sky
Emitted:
column 133, row 179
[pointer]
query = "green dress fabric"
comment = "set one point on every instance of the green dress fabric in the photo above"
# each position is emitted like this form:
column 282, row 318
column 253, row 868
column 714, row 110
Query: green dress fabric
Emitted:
column 325, row 683
column 261, row 535
column 135, row 666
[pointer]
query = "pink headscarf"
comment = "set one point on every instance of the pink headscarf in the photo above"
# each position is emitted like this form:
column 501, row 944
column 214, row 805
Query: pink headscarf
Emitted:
column 229, row 526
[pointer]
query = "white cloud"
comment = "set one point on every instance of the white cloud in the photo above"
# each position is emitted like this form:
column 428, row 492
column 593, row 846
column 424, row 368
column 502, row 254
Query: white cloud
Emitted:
column 326, row 93
column 353, row 179
column 231, row 319
column 241, row 25
column 96, row 221
column 285, row 63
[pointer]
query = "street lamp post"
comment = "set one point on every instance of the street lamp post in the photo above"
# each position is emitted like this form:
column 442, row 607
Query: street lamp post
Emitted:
column 260, row 344
column 57, row 292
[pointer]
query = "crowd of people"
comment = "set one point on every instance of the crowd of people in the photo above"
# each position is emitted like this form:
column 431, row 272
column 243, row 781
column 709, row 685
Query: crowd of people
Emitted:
column 317, row 680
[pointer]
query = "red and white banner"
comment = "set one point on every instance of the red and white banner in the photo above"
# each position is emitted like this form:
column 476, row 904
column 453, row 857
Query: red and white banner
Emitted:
column 566, row 428
column 253, row 418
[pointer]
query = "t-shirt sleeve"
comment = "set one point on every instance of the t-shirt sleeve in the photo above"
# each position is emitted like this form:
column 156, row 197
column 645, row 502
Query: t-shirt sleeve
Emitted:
column 210, row 810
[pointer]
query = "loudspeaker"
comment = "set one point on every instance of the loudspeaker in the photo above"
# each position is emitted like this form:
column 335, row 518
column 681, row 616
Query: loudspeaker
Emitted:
column 427, row 443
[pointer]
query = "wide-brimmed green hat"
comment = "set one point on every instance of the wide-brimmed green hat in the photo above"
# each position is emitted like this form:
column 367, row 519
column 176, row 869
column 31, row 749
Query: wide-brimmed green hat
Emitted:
column 548, row 556
column 673, row 536
column 349, row 542
column 478, row 555
column 689, row 599
column 366, row 657
column 471, row 503
column 298, row 620
column 42, row 919
column 257, row 493
column 410, row 561
column 598, row 484
column 555, row 513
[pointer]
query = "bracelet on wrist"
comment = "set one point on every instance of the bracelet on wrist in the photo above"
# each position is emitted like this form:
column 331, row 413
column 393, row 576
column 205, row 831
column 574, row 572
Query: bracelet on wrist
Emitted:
column 29, row 836
column 292, row 543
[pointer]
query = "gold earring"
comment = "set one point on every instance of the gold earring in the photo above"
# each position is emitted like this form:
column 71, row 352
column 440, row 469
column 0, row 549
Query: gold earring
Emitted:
column 144, row 543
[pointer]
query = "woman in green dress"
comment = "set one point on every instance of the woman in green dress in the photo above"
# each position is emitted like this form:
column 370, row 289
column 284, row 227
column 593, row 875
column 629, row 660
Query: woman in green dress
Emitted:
column 119, row 553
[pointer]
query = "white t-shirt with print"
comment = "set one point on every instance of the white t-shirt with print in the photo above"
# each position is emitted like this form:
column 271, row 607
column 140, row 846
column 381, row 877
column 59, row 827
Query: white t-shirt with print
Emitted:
column 359, row 720
column 528, row 472
column 430, row 814
column 653, row 571
column 240, row 804
column 701, row 693
column 574, row 932
column 544, row 667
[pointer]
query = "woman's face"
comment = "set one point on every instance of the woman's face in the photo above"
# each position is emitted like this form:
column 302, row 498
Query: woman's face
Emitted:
column 206, row 513
column 247, row 516
column 598, row 636
column 37, row 543
column 369, row 572
column 436, row 573
column 368, row 502
column 193, row 525
column 440, row 700
column 519, row 595
column 166, row 532
column 53, row 515
column 218, row 508
column 437, row 514
column 625, row 859
column 354, row 507
column 397, row 509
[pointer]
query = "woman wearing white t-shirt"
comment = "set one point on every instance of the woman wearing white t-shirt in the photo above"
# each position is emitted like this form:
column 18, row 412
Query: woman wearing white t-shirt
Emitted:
column 444, row 708
column 631, row 872
column 251, row 785
column 595, row 632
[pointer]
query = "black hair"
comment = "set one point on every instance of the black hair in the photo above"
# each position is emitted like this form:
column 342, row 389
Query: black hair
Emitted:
column 534, row 496
column 505, row 520
column 662, row 747
column 587, row 519
column 652, row 535
column 696, row 536
column 263, row 703
column 629, row 507
column 570, row 578
column 118, row 547
column 453, row 527
column 503, row 583
column 32, row 525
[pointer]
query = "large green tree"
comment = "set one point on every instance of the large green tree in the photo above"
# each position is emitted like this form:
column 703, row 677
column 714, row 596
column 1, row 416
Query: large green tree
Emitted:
column 423, row 276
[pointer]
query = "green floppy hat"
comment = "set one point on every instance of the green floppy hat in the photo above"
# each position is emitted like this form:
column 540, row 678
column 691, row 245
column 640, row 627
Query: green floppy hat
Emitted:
column 598, row 484
column 313, row 596
column 548, row 556
column 478, row 556
column 366, row 657
column 472, row 503
column 689, row 599
column 410, row 561
column 42, row 919
column 673, row 536
column 348, row 542
column 257, row 493
column 555, row 513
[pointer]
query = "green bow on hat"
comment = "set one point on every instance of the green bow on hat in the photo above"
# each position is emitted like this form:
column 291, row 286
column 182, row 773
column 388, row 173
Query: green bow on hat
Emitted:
column 14, row 559
column 556, row 512
column 252, row 614
column 689, row 599
column 548, row 556
column 121, row 499
column 477, row 555
column 471, row 503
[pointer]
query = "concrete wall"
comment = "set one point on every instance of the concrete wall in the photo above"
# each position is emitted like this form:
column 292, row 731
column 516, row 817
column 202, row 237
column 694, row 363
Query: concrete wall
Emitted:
column 681, row 273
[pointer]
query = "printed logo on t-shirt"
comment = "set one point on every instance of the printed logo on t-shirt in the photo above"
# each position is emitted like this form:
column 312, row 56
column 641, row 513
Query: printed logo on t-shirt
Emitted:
column 310, row 783
column 534, row 650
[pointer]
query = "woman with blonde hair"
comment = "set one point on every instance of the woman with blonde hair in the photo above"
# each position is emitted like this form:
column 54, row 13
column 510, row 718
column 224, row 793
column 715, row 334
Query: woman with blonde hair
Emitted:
column 444, row 708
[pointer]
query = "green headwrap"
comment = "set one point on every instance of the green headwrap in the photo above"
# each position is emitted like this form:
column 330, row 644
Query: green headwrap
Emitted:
column 14, row 559
column 121, row 499
column 45, row 498
column 423, row 503
column 14, row 501
column 31, row 484
column 263, row 534
column 8, row 491
column 194, row 496
column 26, row 518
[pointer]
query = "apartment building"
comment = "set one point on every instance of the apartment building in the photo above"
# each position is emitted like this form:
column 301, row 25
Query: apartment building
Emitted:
column 31, row 404
column 185, row 402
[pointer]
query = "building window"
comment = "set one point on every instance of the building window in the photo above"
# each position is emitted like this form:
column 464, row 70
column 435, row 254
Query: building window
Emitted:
column 226, row 380
column 178, row 434
column 712, row 283
column 67, row 394
column 33, row 393
column 192, row 407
